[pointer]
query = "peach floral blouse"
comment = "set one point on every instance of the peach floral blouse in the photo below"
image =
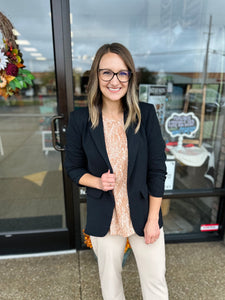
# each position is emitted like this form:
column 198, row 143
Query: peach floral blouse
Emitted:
column 116, row 146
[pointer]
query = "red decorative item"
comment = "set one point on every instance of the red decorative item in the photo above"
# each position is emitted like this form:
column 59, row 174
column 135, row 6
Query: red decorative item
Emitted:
column 13, row 75
column 12, row 70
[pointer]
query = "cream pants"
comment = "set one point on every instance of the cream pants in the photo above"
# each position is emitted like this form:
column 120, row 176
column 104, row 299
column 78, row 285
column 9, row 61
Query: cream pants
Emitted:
column 150, row 261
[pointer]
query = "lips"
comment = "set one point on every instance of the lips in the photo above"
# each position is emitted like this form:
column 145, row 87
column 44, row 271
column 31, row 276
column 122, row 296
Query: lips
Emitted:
column 114, row 89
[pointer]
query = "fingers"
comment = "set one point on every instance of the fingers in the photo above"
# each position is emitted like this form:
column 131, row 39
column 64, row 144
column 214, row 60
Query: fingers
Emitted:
column 151, row 233
column 108, row 181
column 151, row 240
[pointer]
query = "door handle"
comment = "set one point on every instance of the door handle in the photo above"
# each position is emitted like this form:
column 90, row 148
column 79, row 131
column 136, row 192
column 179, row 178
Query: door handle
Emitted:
column 55, row 132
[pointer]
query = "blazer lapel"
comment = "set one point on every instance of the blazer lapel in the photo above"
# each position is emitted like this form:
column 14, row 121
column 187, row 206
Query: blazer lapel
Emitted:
column 133, row 145
column 99, row 140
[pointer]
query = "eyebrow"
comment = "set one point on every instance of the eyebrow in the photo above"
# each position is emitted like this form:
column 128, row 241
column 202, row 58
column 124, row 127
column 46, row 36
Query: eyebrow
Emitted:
column 113, row 71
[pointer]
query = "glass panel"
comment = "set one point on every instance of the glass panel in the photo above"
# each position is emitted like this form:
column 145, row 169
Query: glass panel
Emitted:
column 178, row 48
column 188, row 215
column 179, row 52
column 180, row 216
column 30, row 169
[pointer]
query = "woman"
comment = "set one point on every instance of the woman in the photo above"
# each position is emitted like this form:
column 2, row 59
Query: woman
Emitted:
column 115, row 149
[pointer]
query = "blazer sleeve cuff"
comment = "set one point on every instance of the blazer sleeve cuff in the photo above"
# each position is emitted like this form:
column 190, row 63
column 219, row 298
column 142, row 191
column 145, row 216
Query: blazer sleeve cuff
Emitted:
column 156, row 188
column 75, row 175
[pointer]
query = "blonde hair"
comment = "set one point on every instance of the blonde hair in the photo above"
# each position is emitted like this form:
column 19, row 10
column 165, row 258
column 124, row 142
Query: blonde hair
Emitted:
column 129, row 101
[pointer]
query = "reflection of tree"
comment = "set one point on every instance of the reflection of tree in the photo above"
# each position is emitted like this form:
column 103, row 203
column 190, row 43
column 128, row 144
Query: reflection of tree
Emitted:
column 144, row 76
column 84, row 81
column 48, row 81
column 44, row 83
column 48, row 78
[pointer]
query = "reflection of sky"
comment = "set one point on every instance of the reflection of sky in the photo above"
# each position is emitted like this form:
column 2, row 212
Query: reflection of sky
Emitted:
column 31, row 19
column 169, row 35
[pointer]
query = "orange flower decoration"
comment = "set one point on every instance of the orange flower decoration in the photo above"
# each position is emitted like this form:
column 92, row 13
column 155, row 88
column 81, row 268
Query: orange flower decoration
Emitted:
column 88, row 243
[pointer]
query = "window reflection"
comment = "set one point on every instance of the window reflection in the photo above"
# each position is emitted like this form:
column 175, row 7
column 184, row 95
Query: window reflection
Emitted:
column 188, row 215
column 178, row 46
column 31, row 172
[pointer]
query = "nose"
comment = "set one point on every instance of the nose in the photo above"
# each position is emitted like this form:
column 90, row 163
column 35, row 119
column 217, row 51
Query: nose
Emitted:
column 114, row 80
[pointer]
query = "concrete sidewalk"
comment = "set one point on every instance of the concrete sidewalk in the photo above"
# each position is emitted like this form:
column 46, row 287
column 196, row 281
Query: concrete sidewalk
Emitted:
column 194, row 271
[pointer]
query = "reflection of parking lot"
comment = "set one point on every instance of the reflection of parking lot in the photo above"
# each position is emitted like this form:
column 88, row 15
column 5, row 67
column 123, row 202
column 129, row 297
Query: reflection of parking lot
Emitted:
column 213, row 101
column 30, row 180
column 22, row 144
column 35, row 179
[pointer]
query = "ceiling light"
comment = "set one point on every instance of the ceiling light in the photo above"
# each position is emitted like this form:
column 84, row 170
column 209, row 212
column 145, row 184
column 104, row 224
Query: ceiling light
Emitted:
column 35, row 54
column 29, row 49
column 22, row 42
column 41, row 58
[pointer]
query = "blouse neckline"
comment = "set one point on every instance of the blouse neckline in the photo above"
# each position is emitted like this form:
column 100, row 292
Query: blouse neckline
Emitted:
column 112, row 120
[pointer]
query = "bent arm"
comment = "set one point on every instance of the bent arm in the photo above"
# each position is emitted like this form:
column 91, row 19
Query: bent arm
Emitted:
column 75, row 159
column 90, row 181
column 106, row 182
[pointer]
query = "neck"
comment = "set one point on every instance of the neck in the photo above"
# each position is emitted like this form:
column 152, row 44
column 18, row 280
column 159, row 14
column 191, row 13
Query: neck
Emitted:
column 114, row 109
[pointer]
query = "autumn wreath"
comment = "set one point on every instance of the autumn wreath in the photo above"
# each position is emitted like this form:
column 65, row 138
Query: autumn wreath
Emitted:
column 13, row 75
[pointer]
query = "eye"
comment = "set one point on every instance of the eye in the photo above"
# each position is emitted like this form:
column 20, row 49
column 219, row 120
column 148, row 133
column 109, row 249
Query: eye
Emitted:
column 106, row 72
column 124, row 73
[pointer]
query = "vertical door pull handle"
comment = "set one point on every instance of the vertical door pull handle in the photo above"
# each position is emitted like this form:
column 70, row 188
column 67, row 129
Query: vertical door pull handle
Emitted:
column 56, row 132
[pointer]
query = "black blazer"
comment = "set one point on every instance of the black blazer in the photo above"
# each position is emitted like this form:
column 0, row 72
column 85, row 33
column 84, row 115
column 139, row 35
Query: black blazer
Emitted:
column 86, row 153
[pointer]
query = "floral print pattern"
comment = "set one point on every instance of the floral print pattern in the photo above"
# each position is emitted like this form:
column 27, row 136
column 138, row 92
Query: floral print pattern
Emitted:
column 116, row 146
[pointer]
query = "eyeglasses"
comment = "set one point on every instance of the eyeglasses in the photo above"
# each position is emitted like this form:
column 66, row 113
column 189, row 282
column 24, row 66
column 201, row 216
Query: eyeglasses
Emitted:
column 107, row 75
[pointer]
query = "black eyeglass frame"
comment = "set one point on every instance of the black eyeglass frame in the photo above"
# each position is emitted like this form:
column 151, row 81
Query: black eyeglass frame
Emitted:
column 129, row 72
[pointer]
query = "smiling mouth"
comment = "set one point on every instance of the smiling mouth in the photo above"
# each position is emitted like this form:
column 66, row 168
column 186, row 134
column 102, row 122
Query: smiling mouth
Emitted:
column 114, row 89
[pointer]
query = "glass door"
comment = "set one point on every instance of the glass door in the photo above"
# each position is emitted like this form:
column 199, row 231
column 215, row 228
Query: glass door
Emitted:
column 31, row 177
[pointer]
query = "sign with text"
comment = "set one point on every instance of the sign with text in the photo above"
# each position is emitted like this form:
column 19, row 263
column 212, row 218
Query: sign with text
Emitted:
column 170, row 168
column 157, row 96
column 183, row 124
column 209, row 227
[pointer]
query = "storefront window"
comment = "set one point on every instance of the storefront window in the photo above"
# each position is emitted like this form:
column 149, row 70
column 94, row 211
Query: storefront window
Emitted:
column 179, row 52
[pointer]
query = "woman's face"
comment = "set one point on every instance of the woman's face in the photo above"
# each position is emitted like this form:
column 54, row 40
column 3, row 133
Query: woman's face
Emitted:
column 113, row 90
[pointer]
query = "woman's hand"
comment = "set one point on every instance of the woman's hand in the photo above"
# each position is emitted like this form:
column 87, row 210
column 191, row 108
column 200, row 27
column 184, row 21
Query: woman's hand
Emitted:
column 108, row 181
column 151, row 231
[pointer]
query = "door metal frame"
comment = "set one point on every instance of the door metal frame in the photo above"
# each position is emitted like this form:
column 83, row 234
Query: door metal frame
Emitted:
column 60, row 12
column 64, row 238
